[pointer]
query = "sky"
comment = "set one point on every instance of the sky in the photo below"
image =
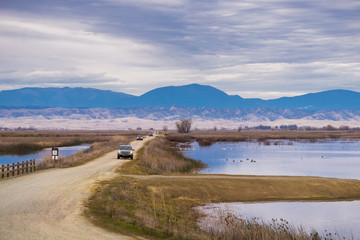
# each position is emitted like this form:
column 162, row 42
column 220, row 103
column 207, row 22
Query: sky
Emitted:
column 252, row 48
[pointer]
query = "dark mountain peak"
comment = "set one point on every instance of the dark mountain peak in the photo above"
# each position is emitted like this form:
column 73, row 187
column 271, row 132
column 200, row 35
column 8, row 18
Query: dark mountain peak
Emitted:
column 193, row 95
column 327, row 93
column 335, row 93
column 330, row 99
column 188, row 89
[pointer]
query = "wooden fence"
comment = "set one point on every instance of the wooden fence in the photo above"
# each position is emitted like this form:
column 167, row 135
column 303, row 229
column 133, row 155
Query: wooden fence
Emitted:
column 10, row 170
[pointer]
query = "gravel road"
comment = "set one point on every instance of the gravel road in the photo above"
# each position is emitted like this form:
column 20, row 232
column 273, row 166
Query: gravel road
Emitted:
column 49, row 204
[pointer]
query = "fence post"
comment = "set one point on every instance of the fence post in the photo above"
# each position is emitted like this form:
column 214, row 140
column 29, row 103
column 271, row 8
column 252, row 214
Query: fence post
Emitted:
column 18, row 168
column 7, row 170
column 34, row 165
column 13, row 169
column 2, row 171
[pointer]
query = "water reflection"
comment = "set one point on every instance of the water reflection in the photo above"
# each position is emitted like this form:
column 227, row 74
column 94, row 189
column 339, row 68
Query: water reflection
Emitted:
column 336, row 217
column 63, row 151
column 328, row 158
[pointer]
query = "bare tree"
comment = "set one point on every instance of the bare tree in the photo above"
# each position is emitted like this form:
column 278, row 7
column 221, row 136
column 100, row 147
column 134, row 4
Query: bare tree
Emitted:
column 330, row 128
column 165, row 128
column 184, row 125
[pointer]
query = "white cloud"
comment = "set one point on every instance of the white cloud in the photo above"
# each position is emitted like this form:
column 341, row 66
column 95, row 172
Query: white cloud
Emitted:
column 158, row 5
column 43, row 52
column 277, row 46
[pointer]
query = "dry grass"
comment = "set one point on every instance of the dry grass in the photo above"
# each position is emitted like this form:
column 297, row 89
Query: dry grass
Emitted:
column 19, row 148
column 217, row 188
column 158, row 157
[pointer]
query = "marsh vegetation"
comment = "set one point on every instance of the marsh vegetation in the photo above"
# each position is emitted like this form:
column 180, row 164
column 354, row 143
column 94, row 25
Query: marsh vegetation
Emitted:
column 206, row 138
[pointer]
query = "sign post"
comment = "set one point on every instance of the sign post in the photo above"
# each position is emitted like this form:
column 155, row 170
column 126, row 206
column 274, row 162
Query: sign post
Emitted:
column 55, row 154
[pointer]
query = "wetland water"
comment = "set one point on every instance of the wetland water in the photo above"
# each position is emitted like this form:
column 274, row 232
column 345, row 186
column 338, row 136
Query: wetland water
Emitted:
column 324, row 158
column 63, row 151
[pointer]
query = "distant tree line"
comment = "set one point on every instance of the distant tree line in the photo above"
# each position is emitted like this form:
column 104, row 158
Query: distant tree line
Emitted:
column 31, row 128
column 294, row 127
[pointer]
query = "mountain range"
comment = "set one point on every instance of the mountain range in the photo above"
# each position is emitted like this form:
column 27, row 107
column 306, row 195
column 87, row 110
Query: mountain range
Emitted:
column 188, row 96
column 88, row 108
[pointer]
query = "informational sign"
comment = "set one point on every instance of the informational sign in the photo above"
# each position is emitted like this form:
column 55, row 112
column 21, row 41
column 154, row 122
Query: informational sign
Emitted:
column 55, row 153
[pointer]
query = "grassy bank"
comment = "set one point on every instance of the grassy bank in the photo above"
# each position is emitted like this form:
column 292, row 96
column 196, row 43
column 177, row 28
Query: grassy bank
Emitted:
column 217, row 188
column 159, row 157
column 19, row 148
column 126, row 205
column 162, row 205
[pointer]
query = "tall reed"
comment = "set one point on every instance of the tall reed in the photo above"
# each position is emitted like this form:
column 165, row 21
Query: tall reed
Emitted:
column 221, row 224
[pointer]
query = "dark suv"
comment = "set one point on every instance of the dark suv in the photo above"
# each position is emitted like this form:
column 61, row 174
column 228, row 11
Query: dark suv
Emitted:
column 125, row 151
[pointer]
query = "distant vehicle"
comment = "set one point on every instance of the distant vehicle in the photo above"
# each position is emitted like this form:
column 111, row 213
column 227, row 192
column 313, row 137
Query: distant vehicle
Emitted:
column 151, row 134
column 125, row 151
column 139, row 137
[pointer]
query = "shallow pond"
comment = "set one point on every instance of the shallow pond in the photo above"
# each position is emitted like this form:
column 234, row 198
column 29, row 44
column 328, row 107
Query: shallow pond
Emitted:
column 63, row 152
column 325, row 158
column 342, row 218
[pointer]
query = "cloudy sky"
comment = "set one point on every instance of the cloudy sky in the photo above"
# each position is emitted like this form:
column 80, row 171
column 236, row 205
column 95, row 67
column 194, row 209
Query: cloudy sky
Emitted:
column 253, row 48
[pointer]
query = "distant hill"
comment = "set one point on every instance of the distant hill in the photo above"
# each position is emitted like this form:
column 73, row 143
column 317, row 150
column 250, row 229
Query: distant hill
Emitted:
column 63, row 97
column 330, row 100
column 188, row 96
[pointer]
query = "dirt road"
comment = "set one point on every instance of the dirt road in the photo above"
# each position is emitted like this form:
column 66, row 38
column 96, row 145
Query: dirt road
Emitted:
column 49, row 204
